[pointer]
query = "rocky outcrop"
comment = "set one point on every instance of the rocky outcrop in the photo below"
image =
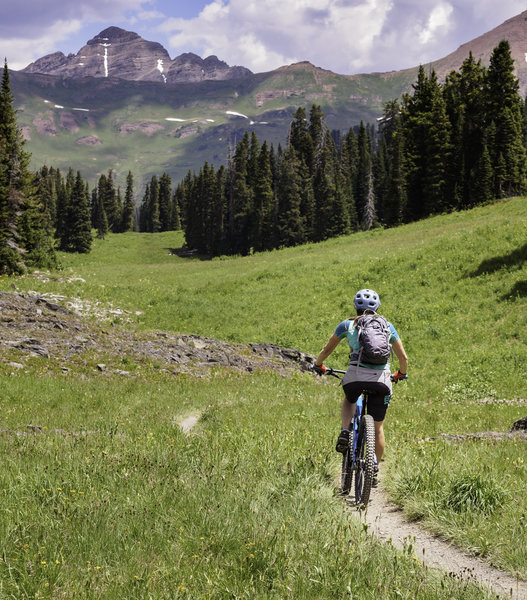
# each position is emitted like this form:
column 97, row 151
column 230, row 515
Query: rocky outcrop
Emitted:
column 191, row 67
column 126, row 55
column 33, row 325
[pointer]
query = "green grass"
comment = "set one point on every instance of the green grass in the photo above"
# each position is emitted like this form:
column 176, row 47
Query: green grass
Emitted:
column 121, row 504
column 260, row 471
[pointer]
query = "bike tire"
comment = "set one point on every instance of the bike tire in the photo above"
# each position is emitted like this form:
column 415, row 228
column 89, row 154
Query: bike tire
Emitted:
column 347, row 472
column 365, row 460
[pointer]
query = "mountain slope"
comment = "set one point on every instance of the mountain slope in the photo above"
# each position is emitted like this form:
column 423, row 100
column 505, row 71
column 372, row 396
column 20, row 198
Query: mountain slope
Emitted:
column 179, row 120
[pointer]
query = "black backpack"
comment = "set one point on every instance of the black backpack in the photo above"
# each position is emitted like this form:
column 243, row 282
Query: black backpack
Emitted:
column 374, row 339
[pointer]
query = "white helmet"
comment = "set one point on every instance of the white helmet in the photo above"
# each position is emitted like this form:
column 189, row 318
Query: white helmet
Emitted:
column 366, row 300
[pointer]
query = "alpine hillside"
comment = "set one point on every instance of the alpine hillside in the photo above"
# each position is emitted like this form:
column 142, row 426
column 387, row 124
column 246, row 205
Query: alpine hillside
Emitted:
column 122, row 103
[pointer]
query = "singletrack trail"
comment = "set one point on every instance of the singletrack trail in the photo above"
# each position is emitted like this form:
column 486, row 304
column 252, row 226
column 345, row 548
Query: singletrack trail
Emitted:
column 388, row 523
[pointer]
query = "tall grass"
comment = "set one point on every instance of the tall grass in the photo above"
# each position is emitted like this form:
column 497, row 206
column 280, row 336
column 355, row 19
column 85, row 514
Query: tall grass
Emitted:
column 455, row 288
column 121, row 504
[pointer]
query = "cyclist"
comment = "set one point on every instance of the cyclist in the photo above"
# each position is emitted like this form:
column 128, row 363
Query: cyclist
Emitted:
column 359, row 377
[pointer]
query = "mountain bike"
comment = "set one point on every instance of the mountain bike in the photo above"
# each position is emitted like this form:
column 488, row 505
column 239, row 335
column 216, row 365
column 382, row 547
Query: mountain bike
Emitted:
column 359, row 458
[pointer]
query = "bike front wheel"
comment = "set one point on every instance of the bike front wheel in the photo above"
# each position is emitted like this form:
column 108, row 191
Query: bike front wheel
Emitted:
column 365, row 460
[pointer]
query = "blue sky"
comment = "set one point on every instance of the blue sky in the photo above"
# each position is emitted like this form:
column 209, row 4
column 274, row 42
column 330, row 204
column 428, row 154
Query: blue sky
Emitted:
column 345, row 36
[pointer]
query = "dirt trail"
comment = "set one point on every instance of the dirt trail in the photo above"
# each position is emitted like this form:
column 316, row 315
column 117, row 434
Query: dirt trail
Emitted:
column 388, row 523
column 188, row 423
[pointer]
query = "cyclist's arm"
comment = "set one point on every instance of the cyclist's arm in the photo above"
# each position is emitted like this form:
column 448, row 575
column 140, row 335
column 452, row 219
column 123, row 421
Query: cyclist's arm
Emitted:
column 327, row 350
column 401, row 356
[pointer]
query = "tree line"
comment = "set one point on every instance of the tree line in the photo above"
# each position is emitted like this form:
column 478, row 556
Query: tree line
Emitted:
column 47, row 210
column 442, row 147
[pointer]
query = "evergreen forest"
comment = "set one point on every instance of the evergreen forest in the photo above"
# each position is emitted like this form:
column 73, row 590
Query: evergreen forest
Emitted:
column 445, row 146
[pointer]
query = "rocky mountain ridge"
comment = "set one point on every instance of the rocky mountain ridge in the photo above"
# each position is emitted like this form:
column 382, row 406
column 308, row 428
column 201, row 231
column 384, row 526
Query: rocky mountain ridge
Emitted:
column 99, row 122
column 116, row 52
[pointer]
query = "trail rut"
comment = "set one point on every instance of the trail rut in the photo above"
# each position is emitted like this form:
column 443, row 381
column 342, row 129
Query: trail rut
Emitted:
column 388, row 523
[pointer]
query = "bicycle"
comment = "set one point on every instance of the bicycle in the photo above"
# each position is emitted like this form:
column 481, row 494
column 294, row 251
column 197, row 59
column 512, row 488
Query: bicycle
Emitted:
column 359, row 458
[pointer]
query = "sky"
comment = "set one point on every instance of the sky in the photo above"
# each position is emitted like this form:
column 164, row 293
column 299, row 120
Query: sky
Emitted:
column 344, row 36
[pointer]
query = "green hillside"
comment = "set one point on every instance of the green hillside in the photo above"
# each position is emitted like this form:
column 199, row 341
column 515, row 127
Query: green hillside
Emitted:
column 246, row 505
column 97, row 124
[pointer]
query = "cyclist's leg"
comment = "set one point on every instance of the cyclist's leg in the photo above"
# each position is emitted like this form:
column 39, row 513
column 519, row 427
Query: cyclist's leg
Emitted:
column 347, row 412
column 379, row 439
column 378, row 401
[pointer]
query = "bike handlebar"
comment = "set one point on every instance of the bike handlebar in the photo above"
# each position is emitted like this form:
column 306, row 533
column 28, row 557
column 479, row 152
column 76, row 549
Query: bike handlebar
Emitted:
column 336, row 373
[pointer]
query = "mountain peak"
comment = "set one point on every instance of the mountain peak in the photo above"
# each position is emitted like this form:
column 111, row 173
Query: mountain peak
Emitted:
column 114, row 35
column 115, row 52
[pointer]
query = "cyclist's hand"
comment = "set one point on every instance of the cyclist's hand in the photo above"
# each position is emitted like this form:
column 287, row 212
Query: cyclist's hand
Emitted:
column 398, row 376
column 319, row 370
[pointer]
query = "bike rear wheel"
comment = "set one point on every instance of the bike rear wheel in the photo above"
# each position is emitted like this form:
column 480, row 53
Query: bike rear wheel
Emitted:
column 365, row 460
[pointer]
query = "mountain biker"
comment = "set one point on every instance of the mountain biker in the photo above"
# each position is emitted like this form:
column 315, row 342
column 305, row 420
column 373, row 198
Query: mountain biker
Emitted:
column 359, row 377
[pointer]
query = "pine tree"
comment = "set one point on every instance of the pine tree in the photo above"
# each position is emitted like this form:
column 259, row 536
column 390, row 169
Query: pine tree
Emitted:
column 13, row 181
column 262, row 233
column 111, row 204
column 77, row 235
column 364, row 173
column 165, row 185
column 154, row 219
column 291, row 226
column 394, row 198
column 300, row 137
column 427, row 147
column 504, row 110
column 127, row 221
column 482, row 189
column 241, row 200
column 101, row 221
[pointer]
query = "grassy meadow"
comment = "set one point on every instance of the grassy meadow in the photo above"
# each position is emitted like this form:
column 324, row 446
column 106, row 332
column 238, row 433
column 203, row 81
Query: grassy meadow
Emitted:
column 114, row 501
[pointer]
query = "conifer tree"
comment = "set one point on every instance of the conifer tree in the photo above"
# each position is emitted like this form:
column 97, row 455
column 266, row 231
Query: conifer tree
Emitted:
column 427, row 147
column 153, row 208
column 364, row 173
column 262, row 226
column 24, row 221
column 392, row 137
column 127, row 221
column 505, row 112
column 165, row 185
column 175, row 209
column 291, row 226
column 77, row 234
column 101, row 221
column 241, row 200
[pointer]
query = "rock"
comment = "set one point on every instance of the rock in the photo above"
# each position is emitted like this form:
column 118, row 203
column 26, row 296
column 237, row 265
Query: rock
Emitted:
column 15, row 365
column 519, row 425
column 65, row 336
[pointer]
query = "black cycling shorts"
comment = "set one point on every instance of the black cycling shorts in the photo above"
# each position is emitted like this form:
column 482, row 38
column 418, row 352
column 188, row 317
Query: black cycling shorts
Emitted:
column 378, row 396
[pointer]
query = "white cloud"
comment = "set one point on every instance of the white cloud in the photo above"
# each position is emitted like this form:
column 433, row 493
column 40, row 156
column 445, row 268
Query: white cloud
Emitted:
column 438, row 22
column 346, row 36
column 31, row 29
column 265, row 34
column 22, row 51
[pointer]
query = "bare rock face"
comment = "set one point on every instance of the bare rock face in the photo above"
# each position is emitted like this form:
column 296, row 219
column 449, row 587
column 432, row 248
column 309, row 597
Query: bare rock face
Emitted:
column 126, row 55
column 190, row 67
